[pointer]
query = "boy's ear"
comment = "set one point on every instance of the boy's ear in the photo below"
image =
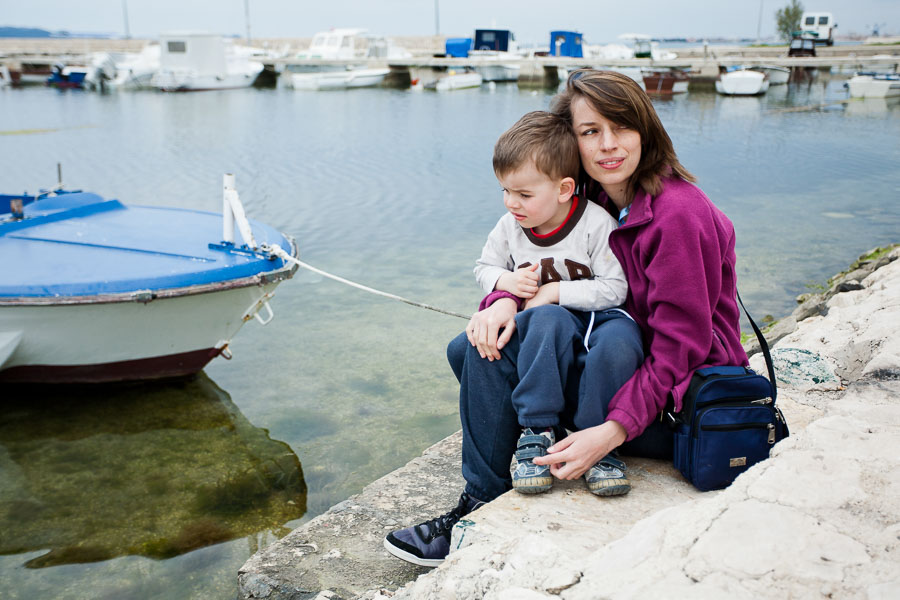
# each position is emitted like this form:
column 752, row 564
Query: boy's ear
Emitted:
column 566, row 189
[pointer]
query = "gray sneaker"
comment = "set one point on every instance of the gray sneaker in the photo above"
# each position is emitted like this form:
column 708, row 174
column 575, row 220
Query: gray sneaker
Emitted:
column 607, row 477
column 529, row 478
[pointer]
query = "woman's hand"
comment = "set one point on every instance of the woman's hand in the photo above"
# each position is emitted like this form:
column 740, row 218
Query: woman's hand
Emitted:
column 573, row 455
column 484, row 328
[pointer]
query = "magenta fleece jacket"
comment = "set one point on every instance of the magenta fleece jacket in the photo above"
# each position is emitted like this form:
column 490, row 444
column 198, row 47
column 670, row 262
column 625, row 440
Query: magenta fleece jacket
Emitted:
column 677, row 250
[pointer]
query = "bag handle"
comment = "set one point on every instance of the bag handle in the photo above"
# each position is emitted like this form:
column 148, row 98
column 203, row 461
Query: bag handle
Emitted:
column 764, row 346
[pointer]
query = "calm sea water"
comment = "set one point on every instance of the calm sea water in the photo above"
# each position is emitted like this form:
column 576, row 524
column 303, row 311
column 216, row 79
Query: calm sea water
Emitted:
column 164, row 490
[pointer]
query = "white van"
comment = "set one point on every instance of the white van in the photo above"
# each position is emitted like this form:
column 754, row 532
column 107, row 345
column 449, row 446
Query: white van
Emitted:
column 821, row 23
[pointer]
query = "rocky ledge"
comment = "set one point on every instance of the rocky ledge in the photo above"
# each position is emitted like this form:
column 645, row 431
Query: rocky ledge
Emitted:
column 820, row 518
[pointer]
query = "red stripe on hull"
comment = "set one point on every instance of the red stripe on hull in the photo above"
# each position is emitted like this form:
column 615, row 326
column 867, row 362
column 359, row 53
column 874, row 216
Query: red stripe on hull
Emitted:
column 157, row 367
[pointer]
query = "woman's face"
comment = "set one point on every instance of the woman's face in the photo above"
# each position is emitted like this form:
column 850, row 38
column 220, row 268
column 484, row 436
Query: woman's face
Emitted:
column 610, row 153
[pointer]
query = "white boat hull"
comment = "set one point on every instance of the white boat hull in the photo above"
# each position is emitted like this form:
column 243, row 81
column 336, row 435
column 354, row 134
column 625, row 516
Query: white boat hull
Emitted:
column 742, row 83
column 776, row 75
column 498, row 72
column 458, row 81
column 868, row 86
column 89, row 340
column 338, row 80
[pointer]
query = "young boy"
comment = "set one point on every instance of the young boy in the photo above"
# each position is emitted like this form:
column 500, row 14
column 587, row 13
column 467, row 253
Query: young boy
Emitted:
column 550, row 248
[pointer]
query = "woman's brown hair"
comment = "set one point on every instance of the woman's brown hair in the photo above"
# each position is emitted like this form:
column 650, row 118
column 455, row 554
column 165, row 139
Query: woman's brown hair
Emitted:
column 620, row 99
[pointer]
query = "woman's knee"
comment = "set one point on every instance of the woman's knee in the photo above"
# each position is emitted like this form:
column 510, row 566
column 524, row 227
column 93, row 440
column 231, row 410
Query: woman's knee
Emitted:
column 456, row 353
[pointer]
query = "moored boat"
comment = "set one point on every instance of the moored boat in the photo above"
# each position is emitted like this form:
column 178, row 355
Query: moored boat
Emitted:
column 96, row 291
column 193, row 62
column 742, row 82
column 352, row 52
column 455, row 81
column 338, row 80
column 874, row 85
column 67, row 76
column 494, row 48
column 665, row 82
column 777, row 75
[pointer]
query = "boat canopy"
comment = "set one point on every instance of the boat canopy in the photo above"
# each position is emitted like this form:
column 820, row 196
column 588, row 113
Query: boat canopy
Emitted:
column 497, row 40
column 79, row 244
column 566, row 43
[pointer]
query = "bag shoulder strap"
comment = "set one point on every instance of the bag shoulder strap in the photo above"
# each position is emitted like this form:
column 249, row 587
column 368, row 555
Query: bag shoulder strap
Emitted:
column 764, row 346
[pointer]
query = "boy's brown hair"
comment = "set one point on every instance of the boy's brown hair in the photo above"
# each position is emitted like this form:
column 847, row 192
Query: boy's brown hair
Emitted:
column 542, row 137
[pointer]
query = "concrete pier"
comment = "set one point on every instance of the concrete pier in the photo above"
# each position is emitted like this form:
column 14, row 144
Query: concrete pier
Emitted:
column 703, row 64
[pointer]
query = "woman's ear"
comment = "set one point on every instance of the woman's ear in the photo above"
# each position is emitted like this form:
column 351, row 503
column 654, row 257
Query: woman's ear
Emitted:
column 566, row 189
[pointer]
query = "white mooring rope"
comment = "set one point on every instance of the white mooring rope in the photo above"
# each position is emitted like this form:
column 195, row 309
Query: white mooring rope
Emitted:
column 279, row 252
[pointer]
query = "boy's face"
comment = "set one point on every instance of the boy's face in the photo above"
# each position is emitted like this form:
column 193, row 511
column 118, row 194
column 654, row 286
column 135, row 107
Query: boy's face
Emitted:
column 535, row 200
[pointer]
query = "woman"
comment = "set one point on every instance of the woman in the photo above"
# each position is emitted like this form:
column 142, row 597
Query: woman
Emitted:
column 677, row 251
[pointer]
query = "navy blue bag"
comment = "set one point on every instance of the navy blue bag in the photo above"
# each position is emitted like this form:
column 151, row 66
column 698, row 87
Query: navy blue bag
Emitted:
column 728, row 422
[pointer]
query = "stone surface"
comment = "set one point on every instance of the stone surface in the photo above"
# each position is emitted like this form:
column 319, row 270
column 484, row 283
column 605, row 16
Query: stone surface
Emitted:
column 819, row 519
column 340, row 552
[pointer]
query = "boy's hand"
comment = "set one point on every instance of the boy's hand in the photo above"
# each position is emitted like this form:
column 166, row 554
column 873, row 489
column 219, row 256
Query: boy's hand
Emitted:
column 547, row 294
column 522, row 282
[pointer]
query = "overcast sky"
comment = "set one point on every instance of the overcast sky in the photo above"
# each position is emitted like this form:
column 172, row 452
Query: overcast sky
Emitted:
column 600, row 21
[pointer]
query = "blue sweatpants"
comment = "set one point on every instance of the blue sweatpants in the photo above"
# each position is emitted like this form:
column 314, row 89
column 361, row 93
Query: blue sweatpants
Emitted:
column 545, row 377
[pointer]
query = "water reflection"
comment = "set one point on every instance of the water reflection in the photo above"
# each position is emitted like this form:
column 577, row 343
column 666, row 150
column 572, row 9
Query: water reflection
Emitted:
column 152, row 470
column 872, row 107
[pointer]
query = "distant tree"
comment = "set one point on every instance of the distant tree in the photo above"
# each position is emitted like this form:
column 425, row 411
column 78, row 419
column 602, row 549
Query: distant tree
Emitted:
column 787, row 19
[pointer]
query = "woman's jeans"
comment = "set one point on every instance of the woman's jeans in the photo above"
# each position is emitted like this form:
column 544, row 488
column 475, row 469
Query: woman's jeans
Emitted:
column 545, row 364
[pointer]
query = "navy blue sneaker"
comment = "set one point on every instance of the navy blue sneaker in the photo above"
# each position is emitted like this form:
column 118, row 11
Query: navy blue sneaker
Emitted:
column 428, row 543
column 529, row 478
column 607, row 477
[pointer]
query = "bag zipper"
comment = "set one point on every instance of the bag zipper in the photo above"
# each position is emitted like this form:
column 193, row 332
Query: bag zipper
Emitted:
column 769, row 426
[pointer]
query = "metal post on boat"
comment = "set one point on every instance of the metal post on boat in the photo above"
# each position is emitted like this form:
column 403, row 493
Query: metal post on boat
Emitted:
column 227, row 215
column 233, row 213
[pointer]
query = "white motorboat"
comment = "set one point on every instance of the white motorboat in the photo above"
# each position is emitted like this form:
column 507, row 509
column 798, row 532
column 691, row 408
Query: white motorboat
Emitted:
column 96, row 291
column 353, row 46
column 493, row 49
column 645, row 47
column 777, row 75
column 135, row 70
column 874, row 85
column 742, row 82
column 192, row 62
column 338, row 80
column 455, row 81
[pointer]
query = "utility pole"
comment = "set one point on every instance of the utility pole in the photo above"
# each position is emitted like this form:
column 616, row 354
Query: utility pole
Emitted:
column 247, row 18
column 437, row 17
column 759, row 22
column 125, row 17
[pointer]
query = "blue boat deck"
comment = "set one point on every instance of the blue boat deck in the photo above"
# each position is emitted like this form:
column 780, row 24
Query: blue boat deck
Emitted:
column 78, row 244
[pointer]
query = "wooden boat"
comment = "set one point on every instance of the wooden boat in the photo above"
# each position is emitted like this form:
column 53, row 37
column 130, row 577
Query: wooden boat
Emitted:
column 666, row 82
column 94, row 290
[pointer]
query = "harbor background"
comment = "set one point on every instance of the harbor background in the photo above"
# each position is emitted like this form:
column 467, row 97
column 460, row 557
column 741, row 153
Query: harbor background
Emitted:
column 394, row 189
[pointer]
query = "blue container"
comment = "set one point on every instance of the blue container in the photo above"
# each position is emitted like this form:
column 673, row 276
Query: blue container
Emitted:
column 566, row 43
column 458, row 47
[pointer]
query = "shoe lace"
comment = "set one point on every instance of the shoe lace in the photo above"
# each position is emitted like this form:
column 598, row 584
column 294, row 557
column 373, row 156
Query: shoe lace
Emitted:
column 443, row 524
